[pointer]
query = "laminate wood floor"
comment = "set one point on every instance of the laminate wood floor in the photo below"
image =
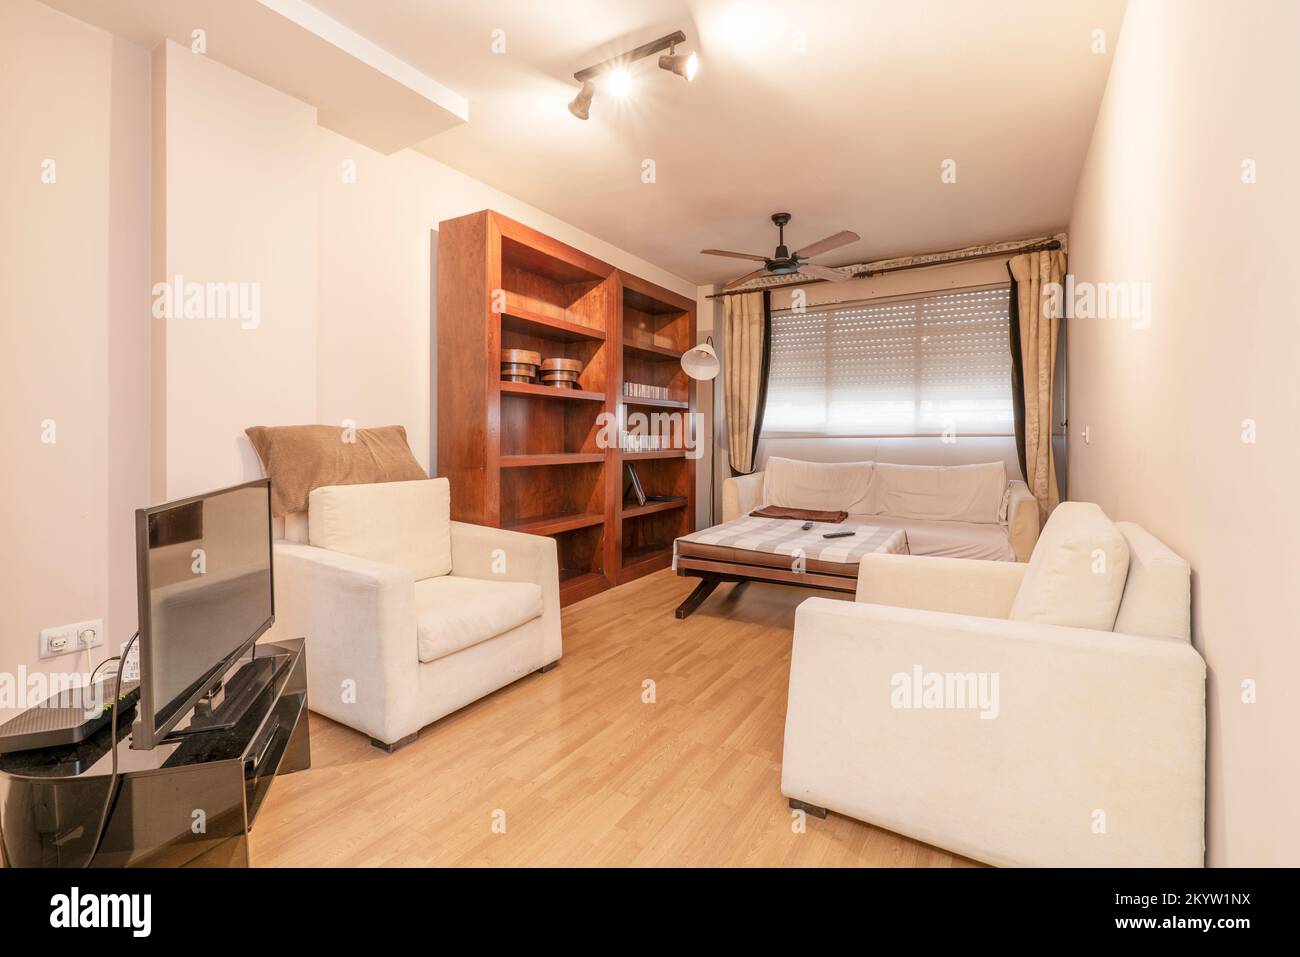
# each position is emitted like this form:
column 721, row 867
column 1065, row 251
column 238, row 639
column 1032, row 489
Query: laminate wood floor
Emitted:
column 579, row 768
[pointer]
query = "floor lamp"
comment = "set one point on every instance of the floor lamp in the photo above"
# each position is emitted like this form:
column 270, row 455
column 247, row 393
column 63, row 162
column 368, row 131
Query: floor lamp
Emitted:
column 702, row 363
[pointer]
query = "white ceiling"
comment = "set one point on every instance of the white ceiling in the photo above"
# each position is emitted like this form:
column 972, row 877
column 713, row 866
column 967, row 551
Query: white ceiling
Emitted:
column 848, row 135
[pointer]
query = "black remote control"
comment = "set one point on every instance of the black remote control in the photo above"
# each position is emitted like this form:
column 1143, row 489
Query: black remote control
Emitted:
column 806, row 526
column 838, row 534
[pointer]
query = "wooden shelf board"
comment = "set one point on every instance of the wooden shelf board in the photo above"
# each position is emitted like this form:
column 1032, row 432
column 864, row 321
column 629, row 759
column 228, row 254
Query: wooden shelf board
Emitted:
column 646, row 555
column 657, row 352
column 661, row 454
column 518, row 317
column 650, row 508
column 550, row 392
column 554, row 524
column 555, row 458
column 657, row 403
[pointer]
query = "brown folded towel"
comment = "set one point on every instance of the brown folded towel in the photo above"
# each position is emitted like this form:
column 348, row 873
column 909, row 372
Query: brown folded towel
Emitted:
column 799, row 514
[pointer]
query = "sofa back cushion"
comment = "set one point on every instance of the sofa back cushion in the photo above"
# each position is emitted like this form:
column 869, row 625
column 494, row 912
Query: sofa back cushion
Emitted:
column 1077, row 571
column 397, row 523
column 950, row 493
column 826, row 486
column 1158, row 594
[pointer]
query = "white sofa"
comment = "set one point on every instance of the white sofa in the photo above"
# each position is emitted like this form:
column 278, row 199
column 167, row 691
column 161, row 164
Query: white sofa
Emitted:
column 1087, row 747
column 408, row 615
column 954, row 511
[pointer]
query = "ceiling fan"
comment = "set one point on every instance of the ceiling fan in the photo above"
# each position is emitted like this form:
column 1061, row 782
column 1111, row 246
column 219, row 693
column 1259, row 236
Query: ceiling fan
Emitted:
column 784, row 263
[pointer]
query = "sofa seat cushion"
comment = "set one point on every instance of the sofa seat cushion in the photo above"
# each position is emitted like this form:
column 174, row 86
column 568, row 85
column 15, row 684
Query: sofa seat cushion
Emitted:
column 1077, row 571
column 977, row 540
column 452, row 613
column 398, row 523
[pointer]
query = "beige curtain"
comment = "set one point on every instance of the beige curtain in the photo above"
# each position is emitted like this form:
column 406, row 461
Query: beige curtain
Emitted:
column 1040, row 327
column 742, row 375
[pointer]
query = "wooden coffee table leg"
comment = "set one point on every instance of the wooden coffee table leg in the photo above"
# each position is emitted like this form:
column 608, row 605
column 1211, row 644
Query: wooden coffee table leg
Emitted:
column 696, row 598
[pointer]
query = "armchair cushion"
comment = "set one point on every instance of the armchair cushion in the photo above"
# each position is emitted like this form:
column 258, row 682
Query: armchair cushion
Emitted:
column 453, row 613
column 407, row 524
column 1077, row 571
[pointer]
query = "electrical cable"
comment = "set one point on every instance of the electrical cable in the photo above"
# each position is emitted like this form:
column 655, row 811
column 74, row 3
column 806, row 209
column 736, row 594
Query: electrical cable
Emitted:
column 112, row 781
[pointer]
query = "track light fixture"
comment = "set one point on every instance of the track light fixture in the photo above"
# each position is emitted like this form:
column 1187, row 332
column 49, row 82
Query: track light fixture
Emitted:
column 580, row 105
column 685, row 65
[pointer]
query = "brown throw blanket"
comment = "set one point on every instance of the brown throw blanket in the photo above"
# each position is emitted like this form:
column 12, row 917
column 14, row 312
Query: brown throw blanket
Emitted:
column 799, row 514
column 299, row 458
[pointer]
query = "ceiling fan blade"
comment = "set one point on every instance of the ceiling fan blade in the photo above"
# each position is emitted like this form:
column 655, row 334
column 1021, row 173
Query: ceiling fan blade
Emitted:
column 745, row 278
column 727, row 252
column 823, row 272
column 842, row 238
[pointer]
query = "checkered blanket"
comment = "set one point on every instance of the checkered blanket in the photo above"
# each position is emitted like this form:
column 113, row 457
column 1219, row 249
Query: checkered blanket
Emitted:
column 783, row 536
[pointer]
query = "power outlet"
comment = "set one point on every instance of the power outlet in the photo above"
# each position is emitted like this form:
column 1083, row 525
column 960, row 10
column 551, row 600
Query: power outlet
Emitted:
column 66, row 639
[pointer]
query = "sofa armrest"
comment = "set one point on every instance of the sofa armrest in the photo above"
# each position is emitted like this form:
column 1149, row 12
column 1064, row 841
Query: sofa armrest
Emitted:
column 741, row 494
column 358, row 617
column 1040, row 745
column 929, row 583
column 496, row 554
column 1022, row 520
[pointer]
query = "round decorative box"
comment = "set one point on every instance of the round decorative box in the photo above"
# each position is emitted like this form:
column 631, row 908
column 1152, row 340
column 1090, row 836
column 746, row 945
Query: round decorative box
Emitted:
column 519, row 365
column 561, row 373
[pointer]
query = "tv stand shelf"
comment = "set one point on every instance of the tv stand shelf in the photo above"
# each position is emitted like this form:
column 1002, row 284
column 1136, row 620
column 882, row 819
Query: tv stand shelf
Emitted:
column 189, row 802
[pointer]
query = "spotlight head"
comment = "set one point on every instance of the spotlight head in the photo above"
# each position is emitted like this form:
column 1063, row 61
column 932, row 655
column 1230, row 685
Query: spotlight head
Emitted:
column 620, row 81
column 685, row 65
column 580, row 106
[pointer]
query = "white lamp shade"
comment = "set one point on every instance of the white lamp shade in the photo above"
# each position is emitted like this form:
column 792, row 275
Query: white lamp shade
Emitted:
column 701, row 362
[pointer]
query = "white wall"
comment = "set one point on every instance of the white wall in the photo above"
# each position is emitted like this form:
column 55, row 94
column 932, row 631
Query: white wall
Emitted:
column 1197, row 87
column 239, row 206
column 74, row 308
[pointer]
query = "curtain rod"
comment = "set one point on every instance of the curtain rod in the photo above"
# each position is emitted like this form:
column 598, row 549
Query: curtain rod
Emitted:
column 866, row 271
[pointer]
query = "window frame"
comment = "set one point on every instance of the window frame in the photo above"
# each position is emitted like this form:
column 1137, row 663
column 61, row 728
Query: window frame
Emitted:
column 880, row 301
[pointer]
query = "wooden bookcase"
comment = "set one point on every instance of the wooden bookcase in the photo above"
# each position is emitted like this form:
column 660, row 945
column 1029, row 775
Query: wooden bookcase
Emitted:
column 538, row 459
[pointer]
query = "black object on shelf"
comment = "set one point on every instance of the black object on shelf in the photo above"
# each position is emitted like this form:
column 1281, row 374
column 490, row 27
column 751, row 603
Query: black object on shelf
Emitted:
column 635, row 485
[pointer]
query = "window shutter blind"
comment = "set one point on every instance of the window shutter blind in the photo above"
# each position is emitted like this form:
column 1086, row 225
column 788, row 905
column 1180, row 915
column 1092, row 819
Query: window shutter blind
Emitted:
column 916, row 366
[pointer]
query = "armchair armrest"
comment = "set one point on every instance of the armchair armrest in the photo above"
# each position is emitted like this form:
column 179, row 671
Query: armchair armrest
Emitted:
column 1022, row 520
column 358, row 617
column 741, row 495
column 1034, row 745
column 930, row 583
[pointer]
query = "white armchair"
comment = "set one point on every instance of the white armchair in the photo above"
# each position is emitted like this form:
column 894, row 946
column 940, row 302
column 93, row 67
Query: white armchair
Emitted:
column 400, row 633
column 943, row 704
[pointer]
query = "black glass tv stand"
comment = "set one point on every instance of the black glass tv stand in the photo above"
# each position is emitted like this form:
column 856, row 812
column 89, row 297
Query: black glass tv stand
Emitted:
column 190, row 801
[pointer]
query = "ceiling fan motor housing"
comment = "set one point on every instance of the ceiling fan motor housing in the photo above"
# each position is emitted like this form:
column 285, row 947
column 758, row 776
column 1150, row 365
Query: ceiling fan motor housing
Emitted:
column 782, row 263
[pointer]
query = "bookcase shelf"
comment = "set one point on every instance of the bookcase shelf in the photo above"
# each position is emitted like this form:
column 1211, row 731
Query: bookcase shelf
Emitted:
column 550, row 392
column 530, row 457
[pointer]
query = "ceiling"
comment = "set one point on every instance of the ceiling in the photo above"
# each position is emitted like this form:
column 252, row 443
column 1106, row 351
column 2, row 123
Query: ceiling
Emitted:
column 847, row 135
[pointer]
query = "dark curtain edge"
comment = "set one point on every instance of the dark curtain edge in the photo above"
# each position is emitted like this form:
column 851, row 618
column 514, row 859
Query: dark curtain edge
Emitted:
column 1017, row 372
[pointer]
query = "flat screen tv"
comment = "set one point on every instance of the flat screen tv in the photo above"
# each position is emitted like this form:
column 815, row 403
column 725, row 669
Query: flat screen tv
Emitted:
column 203, row 574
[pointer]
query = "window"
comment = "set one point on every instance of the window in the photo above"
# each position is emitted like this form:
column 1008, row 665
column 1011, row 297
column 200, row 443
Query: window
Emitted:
column 915, row 366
